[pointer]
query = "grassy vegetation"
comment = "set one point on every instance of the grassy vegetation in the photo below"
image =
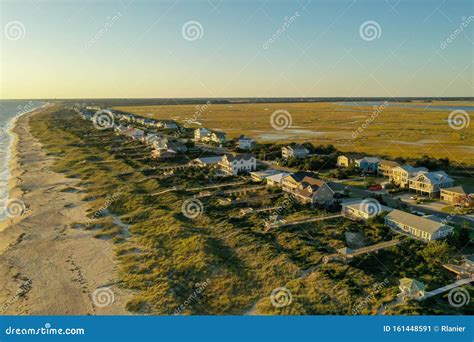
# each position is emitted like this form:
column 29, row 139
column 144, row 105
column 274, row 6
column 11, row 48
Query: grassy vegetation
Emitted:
column 166, row 257
column 395, row 132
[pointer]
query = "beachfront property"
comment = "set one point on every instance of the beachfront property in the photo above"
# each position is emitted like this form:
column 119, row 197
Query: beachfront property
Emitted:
column 167, row 124
column 368, row 164
column 163, row 153
column 348, row 160
column 201, row 133
column 458, row 195
column 401, row 175
column 176, row 146
column 384, row 168
column 430, row 183
column 362, row 209
column 218, row 137
column 426, row 228
column 411, row 288
column 233, row 165
column 307, row 189
column 258, row 176
column 296, row 151
column 246, row 143
column 206, row 161
column 276, row 179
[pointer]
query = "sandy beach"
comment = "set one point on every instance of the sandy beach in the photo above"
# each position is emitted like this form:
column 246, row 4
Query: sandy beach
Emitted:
column 46, row 266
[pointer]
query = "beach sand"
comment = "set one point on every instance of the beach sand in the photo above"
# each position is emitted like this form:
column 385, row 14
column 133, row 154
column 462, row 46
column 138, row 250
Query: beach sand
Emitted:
column 47, row 267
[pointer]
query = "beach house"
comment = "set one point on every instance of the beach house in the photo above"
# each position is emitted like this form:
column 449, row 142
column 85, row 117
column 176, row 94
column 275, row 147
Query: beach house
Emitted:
column 400, row 175
column 363, row 209
column 348, row 160
column 411, row 288
column 246, row 143
column 233, row 165
column 384, row 168
column 367, row 164
column 460, row 195
column 430, row 183
column 201, row 133
column 426, row 228
column 296, row 151
column 307, row 189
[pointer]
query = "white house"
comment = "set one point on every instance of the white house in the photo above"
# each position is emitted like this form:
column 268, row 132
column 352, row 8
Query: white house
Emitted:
column 363, row 209
column 296, row 151
column 201, row 133
column 207, row 161
column 426, row 228
column 233, row 165
column 246, row 143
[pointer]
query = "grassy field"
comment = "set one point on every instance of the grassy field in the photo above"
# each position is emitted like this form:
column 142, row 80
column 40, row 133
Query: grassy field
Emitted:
column 395, row 131
column 218, row 262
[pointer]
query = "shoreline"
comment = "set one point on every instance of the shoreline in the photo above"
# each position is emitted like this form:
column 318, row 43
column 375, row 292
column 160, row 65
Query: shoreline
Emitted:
column 12, row 161
column 46, row 266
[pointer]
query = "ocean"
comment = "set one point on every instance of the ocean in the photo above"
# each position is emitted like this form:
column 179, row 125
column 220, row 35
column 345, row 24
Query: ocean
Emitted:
column 9, row 110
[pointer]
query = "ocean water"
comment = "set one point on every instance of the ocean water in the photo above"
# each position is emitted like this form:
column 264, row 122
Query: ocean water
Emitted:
column 9, row 110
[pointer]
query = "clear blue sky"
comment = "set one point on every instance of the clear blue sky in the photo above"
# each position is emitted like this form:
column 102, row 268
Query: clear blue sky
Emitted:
column 73, row 49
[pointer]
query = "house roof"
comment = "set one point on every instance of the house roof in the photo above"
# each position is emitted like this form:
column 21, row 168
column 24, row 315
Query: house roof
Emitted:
column 363, row 205
column 265, row 173
column 277, row 177
column 299, row 176
column 412, row 284
column 460, row 189
column 426, row 223
column 435, row 177
column 209, row 160
column 297, row 147
column 411, row 169
column 242, row 137
column 239, row 157
column 370, row 160
column 389, row 163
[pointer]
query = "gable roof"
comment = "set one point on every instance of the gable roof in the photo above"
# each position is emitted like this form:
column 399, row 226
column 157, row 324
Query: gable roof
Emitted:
column 427, row 224
column 412, row 284
column 277, row 177
column 460, row 189
column 239, row 157
column 389, row 163
column 435, row 177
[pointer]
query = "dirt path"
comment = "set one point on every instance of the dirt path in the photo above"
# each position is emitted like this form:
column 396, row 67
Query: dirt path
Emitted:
column 46, row 267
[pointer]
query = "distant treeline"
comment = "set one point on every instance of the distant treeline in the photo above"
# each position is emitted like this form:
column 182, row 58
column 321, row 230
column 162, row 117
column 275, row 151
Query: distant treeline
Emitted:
column 237, row 100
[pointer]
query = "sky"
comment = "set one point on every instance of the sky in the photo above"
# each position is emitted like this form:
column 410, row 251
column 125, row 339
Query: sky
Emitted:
column 236, row 48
